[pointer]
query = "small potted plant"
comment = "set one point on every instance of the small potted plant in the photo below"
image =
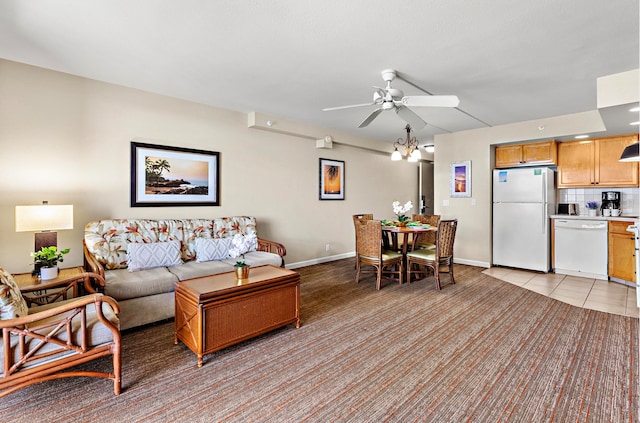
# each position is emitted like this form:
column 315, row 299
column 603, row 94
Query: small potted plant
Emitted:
column 592, row 208
column 241, row 245
column 46, row 261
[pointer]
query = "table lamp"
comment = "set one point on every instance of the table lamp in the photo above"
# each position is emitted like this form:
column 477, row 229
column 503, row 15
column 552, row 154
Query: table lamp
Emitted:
column 44, row 220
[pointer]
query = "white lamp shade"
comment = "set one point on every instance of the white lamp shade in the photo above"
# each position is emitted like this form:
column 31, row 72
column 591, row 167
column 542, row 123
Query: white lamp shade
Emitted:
column 395, row 156
column 44, row 218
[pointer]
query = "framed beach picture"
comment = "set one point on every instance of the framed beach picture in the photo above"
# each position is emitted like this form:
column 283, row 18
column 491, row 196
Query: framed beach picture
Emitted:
column 461, row 179
column 331, row 179
column 173, row 176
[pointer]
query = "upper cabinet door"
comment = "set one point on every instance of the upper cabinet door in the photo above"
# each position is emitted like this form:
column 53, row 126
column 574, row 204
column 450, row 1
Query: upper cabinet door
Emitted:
column 575, row 164
column 592, row 163
column 608, row 170
column 509, row 156
column 539, row 153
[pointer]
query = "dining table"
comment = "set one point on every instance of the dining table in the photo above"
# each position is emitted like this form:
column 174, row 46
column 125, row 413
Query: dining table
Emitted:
column 409, row 233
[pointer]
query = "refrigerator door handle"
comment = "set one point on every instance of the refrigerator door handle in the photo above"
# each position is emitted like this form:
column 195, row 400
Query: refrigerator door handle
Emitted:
column 545, row 220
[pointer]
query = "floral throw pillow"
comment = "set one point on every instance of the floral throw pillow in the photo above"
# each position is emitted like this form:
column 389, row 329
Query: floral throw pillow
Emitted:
column 12, row 304
column 208, row 249
column 157, row 254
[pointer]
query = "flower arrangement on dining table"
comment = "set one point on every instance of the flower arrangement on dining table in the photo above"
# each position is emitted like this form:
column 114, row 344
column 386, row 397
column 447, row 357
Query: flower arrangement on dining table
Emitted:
column 241, row 245
column 401, row 210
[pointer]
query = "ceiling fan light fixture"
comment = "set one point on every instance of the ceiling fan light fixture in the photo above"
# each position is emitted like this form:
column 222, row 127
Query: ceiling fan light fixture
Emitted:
column 390, row 98
column 410, row 145
column 429, row 148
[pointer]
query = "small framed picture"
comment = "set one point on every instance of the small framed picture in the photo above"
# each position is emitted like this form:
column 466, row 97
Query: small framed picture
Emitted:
column 331, row 179
column 461, row 179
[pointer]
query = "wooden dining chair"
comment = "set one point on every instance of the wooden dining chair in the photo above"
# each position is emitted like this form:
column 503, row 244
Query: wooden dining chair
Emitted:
column 440, row 259
column 427, row 240
column 370, row 253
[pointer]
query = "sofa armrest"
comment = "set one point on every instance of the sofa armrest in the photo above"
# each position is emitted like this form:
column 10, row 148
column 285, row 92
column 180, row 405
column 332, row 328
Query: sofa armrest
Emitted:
column 91, row 264
column 61, row 289
column 272, row 247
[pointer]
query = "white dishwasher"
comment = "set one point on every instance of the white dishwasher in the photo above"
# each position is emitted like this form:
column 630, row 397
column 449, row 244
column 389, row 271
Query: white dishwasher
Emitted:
column 580, row 248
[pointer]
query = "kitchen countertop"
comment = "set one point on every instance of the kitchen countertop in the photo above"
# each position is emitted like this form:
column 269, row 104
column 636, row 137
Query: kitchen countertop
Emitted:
column 586, row 217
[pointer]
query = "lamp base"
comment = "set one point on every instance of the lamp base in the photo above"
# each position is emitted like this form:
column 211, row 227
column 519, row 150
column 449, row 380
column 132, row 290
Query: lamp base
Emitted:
column 45, row 239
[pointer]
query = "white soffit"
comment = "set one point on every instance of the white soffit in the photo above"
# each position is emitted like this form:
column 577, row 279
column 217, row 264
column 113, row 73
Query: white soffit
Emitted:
column 619, row 88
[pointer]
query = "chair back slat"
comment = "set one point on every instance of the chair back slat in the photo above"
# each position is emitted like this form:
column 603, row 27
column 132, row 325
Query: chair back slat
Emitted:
column 359, row 218
column 445, row 238
column 426, row 237
column 369, row 238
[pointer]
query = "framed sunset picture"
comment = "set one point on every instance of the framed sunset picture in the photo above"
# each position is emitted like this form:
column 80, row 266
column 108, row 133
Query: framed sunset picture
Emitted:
column 331, row 179
column 461, row 179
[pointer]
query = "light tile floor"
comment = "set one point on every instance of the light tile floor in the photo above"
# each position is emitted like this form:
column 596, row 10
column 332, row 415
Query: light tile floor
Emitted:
column 593, row 294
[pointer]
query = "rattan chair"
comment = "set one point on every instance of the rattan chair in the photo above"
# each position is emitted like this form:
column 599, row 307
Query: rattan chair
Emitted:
column 426, row 240
column 46, row 342
column 439, row 260
column 370, row 252
column 360, row 217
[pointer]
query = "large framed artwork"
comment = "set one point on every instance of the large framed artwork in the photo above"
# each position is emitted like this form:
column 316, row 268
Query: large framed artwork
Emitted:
column 461, row 179
column 331, row 179
column 173, row 176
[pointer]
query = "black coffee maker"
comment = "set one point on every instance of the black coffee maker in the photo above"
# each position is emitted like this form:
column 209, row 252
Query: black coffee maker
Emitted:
column 610, row 200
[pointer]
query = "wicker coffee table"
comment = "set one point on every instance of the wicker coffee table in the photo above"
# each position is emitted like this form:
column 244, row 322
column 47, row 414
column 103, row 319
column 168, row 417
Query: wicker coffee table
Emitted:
column 214, row 312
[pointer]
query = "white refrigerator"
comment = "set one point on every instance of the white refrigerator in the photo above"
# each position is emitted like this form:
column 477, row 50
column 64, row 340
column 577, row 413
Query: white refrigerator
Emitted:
column 523, row 201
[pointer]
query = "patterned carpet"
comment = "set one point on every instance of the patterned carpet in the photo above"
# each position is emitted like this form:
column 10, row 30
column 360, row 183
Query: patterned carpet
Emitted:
column 481, row 350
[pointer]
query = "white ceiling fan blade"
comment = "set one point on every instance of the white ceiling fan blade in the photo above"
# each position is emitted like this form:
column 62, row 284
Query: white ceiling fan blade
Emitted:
column 370, row 118
column 347, row 107
column 431, row 101
column 410, row 117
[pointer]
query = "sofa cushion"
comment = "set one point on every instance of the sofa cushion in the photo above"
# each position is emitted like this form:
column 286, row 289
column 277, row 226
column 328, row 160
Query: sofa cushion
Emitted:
column 122, row 284
column 208, row 249
column 108, row 239
column 12, row 304
column 229, row 226
column 194, row 269
column 258, row 258
column 148, row 256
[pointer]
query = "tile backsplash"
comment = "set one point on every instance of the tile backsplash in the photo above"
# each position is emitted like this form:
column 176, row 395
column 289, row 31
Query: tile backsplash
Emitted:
column 629, row 198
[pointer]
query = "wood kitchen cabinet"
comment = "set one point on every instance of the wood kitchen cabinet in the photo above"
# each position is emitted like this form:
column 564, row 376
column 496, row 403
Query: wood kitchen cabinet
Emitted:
column 594, row 162
column 621, row 251
column 539, row 153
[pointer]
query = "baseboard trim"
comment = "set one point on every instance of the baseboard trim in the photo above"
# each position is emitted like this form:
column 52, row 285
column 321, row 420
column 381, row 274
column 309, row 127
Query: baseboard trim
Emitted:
column 320, row 260
column 472, row 262
column 353, row 254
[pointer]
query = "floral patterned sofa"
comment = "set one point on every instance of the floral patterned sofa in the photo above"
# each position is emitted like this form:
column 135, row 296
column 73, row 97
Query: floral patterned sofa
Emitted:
column 172, row 250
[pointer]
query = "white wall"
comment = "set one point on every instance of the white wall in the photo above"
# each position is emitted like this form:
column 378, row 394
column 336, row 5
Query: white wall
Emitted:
column 67, row 139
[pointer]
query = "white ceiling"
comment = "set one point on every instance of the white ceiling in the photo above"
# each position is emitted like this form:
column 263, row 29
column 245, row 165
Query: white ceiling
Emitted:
column 507, row 61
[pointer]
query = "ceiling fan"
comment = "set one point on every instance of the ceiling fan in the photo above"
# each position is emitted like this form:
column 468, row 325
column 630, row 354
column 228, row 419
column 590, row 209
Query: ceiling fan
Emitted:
column 394, row 99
